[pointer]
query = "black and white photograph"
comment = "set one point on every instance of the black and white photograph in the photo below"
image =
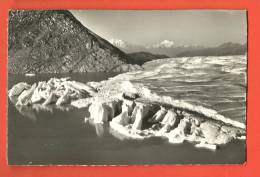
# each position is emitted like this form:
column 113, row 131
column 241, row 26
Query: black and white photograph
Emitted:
column 127, row 87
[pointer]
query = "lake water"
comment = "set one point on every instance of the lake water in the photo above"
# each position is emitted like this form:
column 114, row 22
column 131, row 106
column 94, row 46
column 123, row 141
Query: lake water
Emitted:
column 54, row 136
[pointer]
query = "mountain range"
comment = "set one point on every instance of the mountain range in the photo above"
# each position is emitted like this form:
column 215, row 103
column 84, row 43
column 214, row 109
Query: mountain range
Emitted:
column 169, row 48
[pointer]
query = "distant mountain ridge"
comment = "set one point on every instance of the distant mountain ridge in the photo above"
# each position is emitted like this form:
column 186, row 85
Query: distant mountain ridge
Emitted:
column 54, row 41
column 224, row 49
column 169, row 48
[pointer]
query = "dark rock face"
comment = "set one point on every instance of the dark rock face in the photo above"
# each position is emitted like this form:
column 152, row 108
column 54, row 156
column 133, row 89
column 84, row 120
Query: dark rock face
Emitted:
column 142, row 57
column 54, row 41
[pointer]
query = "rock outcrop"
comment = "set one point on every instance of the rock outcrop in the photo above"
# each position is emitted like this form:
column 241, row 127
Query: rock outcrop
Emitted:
column 54, row 41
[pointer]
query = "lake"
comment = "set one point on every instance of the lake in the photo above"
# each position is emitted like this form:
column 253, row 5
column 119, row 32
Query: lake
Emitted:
column 45, row 136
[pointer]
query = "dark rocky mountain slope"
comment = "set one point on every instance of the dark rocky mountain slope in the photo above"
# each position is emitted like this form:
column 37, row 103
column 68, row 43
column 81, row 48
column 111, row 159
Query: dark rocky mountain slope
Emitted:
column 142, row 57
column 56, row 42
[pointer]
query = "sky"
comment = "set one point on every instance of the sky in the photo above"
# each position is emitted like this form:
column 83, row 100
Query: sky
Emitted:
column 182, row 27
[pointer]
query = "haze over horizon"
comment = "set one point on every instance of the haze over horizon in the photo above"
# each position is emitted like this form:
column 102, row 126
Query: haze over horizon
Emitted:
column 180, row 27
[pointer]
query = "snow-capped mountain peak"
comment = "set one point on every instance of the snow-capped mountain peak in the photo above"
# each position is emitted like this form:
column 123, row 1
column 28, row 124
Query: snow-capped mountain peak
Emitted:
column 163, row 44
column 166, row 43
